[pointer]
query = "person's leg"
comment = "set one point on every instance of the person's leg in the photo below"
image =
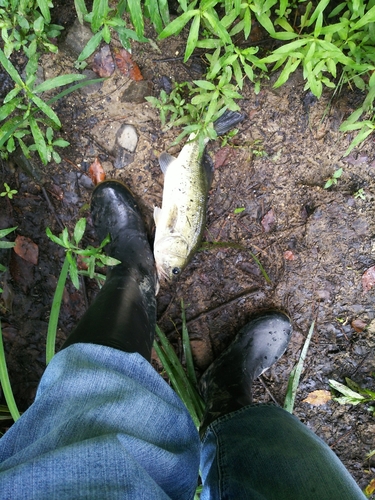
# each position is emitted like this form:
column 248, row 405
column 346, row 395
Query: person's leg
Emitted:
column 104, row 424
column 261, row 452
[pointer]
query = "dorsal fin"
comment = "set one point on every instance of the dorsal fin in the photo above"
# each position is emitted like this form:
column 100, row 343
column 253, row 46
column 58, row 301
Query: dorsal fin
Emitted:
column 208, row 168
column 165, row 159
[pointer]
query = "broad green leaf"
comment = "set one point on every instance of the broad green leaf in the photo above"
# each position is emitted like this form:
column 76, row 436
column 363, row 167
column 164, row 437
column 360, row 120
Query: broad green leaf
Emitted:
column 61, row 143
column 266, row 22
column 136, row 15
column 369, row 17
column 317, row 11
column 204, row 84
column 100, row 11
column 8, row 108
column 109, row 261
column 164, row 11
column 5, row 232
column 354, row 117
column 192, row 38
column 153, row 11
column 177, row 24
column 217, row 27
column 79, row 230
column 13, row 93
column 106, row 34
column 44, row 9
column 91, row 46
column 58, row 81
column 9, row 127
column 344, row 390
column 9, row 68
column 46, row 109
column 54, row 238
column 73, row 270
column 40, row 143
column 65, row 238
column 80, row 9
column 289, row 67
column 360, row 137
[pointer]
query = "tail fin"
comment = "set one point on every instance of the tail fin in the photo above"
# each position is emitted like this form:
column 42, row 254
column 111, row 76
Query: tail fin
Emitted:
column 227, row 121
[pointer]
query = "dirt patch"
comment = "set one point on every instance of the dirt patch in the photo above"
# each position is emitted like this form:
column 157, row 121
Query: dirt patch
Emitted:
column 314, row 244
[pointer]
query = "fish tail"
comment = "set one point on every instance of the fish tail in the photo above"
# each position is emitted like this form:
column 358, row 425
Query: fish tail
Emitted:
column 227, row 121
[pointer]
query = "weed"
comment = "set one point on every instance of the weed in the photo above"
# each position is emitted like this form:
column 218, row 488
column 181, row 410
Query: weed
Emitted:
column 333, row 180
column 360, row 194
column 8, row 192
column 90, row 256
column 295, row 374
column 5, row 244
column 104, row 19
column 25, row 21
column 352, row 393
column 26, row 113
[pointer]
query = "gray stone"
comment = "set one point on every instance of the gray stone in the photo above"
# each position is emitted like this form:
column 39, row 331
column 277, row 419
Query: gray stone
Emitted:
column 127, row 137
column 78, row 36
column 93, row 88
column 137, row 91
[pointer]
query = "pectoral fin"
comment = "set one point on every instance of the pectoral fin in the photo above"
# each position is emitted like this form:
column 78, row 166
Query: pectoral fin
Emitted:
column 165, row 159
column 157, row 215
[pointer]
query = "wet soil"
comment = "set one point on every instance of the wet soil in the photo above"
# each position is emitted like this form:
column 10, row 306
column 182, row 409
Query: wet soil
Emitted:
column 314, row 244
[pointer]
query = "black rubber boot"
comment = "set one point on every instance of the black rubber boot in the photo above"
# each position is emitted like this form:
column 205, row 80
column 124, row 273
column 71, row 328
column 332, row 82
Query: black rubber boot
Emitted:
column 226, row 386
column 123, row 314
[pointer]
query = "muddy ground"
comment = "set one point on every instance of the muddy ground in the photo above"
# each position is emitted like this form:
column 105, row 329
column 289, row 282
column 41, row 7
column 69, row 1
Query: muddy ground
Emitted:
column 315, row 244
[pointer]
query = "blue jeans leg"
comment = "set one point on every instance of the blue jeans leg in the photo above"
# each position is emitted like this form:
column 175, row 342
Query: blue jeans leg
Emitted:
column 265, row 453
column 104, row 425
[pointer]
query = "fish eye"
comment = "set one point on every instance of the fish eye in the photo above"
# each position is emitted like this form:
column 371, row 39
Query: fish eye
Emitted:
column 176, row 270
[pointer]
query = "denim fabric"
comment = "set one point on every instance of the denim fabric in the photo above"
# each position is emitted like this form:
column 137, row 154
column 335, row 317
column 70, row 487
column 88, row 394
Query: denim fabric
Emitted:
column 265, row 453
column 104, row 425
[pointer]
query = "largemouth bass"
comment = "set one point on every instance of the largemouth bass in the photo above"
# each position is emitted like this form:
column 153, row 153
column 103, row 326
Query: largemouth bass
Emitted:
column 181, row 219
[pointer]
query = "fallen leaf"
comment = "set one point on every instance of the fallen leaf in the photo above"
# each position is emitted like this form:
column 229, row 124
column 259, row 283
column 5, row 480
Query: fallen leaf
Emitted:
column 368, row 279
column 103, row 64
column 96, row 172
column 268, row 220
column 317, row 398
column 358, row 325
column 222, row 156
column 27, row 249
column 370, row 488
column 126, row 65
column 289, row 255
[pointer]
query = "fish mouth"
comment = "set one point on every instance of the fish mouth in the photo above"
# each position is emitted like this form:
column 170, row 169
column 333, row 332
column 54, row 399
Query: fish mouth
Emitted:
column 162, row 273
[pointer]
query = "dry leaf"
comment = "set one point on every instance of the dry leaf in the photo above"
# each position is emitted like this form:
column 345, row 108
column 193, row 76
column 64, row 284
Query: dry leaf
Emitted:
column 96, row 172
column 103, row 64
column 27, row 249
column 126, row 65
column 358, row 325
column 370, row 488
column 268, row 220
column 368, row 279
column 317, row 398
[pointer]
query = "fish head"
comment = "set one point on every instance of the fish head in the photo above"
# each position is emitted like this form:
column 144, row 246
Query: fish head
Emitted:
column 171, row 256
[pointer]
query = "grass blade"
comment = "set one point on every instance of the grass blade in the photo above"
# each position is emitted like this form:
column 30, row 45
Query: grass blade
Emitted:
column 55, row 311
column 296, row 373
column 187, row 348
column 5, row 383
